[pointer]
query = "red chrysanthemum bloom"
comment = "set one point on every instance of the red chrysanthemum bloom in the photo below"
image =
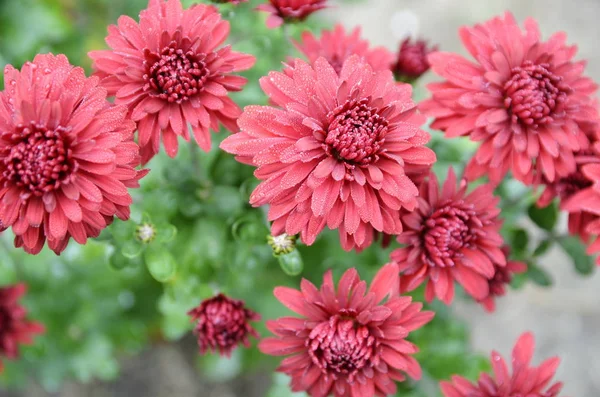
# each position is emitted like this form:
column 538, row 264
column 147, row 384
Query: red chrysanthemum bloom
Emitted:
column 412, row 59
column 524, row 100
column 67, row 155
column 335, row 151
column 336, row 46
column 15, row 329
column 451, row 236
column 525, row 381
column 289, row 10
column 584, row 210
column 169, row 72
column 502, row 277
column 222, row 324
column 565, row 187
column 349, row 342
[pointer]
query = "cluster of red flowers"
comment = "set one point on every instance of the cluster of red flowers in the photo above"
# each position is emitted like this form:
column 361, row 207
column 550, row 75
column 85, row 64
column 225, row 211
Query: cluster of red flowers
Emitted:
column 340, row 146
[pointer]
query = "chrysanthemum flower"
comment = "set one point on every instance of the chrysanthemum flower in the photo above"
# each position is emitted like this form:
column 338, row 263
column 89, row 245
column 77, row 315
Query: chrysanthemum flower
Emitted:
column 289, row 10
column 336, row 46
column 170, row 71
column 502, row 277
column 67, row 155
column 348, row 343
column 526, row 381
column 412, row 59
column 15, row 329
column 565, row 187
column 452, row 235
column 524, row 99
column 334, row 151
column 584, row 210
column 222, row 324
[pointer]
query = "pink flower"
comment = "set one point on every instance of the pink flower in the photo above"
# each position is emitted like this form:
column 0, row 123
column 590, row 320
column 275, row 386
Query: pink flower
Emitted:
column 170, row 71
column 222, row 324
column 526, row 381
column 334, row 152
column 452, row 235
column 67, row 155
column 289, row 10
column 15, row 329
column 502, row 277
column 336, row 46
column 348, row 342
column 584, row 210
column 412, row 60
column 524, row 99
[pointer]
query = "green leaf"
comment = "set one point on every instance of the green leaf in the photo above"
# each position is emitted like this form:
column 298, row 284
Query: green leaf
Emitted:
column 131, row 248
column 538, row 275
column 291, row 263
column 519, row 241
column 546, row 217
column 160, row 263
column 584, row 264
column 543, row 247
column 166, row 232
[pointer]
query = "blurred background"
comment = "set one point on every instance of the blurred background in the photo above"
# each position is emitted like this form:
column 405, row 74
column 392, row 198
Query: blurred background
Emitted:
column 565, row 318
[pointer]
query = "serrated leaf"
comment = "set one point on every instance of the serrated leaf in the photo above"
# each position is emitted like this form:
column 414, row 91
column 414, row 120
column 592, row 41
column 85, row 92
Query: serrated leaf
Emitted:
column 545, row 218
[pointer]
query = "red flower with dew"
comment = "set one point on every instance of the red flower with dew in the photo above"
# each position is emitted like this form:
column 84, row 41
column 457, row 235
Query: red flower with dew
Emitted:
column 584, row 210
column 222, row 324
column 452, row 235
column 336, row 46
column 67, row 155
column 348, row 343
column 412, row 59
column 524, row 99
column 289, row 10
column 525, row 380
column 502, row 277
column 170, row 71
column 15, row 329
column 334, row 152
column 565, row 187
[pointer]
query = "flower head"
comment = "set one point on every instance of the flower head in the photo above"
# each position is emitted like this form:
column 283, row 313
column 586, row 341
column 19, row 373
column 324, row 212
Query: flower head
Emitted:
column 15, row 329
column 584, row 209
column 452, row 235
column 67, row 155
column 412, row 59
column 282, row 244
column 502, row 277
column 524, row 99
column 334, row 151
column 336, row 46
column 289, row 10
column 170, row 71
column 525, row 380
column 348, row 343
column 222, row 324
